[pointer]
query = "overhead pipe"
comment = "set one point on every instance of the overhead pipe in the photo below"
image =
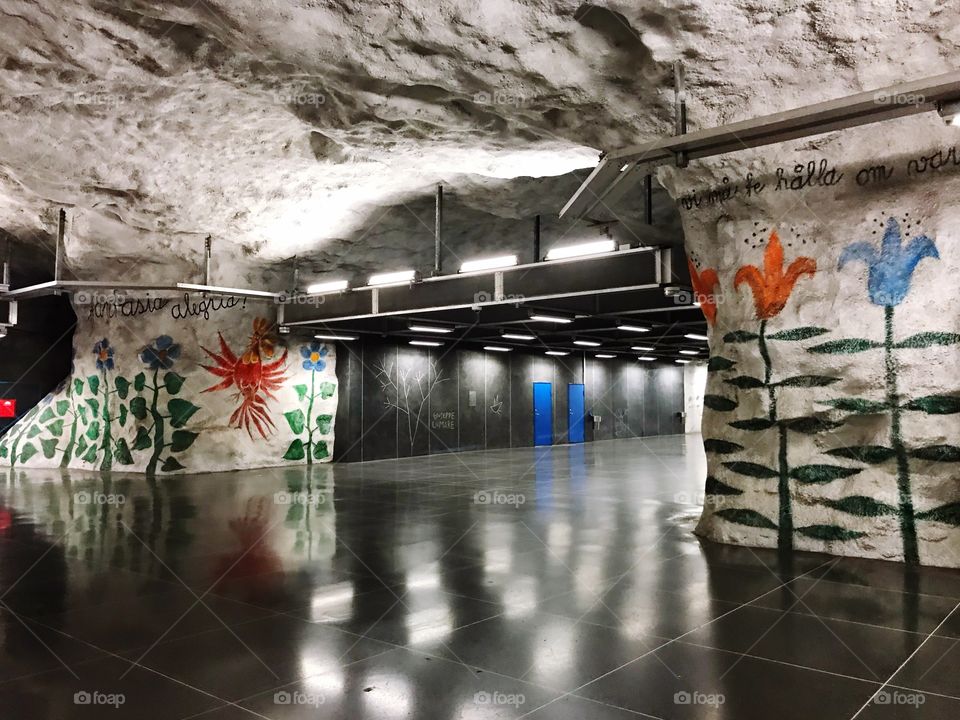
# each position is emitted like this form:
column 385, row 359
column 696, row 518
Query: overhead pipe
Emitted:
column 437, row 232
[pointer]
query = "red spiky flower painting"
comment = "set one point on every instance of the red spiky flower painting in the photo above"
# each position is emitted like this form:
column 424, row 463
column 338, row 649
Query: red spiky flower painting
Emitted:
column 254, row 375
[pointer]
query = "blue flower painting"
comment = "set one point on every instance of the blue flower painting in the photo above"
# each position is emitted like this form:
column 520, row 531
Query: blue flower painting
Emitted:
column 313, row 356
column 892, row 266
column 104, row 354
column 161, row 354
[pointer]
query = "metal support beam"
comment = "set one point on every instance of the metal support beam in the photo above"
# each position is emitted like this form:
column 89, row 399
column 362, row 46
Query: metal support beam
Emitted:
column 680, row 109
column 648, row 194
column 207, row 260
column 615, row 272
column 537, row 257
column 438, row 232
column 58, row 251
column 617, row 171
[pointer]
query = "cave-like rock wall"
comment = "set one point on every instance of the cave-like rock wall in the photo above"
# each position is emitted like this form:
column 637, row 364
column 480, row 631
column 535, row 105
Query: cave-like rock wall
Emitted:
column 827, row 271
column 181, row 384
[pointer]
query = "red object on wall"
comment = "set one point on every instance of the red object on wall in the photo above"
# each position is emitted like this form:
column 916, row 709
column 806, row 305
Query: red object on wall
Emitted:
column 8, row 408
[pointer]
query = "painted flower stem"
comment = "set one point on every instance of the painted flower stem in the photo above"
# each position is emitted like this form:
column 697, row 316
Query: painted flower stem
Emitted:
column 158, row 429
column 908, row 524
column 106, row 464
column 313, row 375
column 71, row 443
column 785, row 524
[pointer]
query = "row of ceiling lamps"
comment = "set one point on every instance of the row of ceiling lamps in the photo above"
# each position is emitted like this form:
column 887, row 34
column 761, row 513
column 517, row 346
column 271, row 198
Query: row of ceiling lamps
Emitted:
column 400, row 277
column 556, row 353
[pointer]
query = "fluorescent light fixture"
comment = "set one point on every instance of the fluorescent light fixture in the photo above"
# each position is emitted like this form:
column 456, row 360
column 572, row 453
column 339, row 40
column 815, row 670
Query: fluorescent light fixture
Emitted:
column 633, row 328
column 646, row 358
column 327, row 287
column 689, row 352
column 558, row 353
column 950, row 112
column 604, row 356
column 496, row 348
column 517, row 336
column 623, row 168
column 587, row 343
column 488, row 263
column 588, row 248
column 239, row 292
column 682, row 362
column 393, row 278
column 342, row 338
column 696, row 336
column 641, row 348
column 426, row 343
column 540, row 317
column 430, row 328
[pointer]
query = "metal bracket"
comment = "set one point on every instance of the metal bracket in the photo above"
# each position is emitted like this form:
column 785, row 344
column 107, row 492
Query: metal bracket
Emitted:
column 207, row 260
column 680, row 110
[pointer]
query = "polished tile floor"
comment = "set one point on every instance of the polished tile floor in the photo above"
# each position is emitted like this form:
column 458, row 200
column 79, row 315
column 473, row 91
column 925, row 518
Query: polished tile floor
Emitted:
column 551, row 583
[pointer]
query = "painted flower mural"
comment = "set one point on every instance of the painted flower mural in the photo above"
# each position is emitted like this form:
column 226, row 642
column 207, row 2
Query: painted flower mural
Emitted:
column 313, row 355
column 704, row 288
column 255, row 375
column 161, row 354
column 772, row 286
column 104, row 355
column 309, row 445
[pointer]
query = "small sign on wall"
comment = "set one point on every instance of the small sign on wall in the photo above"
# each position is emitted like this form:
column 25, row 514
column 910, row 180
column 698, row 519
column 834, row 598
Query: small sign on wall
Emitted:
column 8, row 408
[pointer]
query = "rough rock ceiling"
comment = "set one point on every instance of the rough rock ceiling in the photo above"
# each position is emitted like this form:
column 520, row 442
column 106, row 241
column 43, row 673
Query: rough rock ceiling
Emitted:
column 318, row 128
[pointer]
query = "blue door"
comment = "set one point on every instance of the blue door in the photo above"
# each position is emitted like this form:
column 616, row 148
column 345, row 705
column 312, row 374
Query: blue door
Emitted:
column 542, row 414
column 575, row 410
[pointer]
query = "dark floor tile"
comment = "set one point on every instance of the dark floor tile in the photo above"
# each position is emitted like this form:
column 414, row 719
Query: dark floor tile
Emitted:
column 933, row 668
column 892, row 703
column 28, row 647
column 895, row 576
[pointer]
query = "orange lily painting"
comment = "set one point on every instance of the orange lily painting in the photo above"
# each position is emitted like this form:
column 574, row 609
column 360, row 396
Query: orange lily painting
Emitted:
column 704, row 283
column 772, row 286
column 255, row 374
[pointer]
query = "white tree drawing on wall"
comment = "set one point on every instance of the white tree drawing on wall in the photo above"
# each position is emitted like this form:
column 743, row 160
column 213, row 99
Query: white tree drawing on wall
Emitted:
column 412, row 389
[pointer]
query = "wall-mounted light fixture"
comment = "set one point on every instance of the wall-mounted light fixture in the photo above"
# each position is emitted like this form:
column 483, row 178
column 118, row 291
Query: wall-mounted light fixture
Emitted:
column 604, row 356
column 426, row 343
column 646, row 358
column 430, row 328
column 335, row 338
column 493, row 263
column 496, row 348
column 327, row 287
column 632, row 328
column 950, row 112
column 558, row 353
column 696, row 336
column 587, row 343
column 682, row 362
column 689, row 352
column 238, row 292
column 393, row 278
column 641, row 348
column 517, row 336
column 542, row 317
column 580, row 250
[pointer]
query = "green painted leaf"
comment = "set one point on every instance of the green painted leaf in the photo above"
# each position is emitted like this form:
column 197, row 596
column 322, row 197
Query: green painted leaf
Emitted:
column 742, row 516
column 123, row 387
column 47, row 415
column 78, row 387
column 740, row 336
column 949, row 514
column 807, row 381
column 173, row 382
column 91, row 454
column 302, row 391
column 34, row 431
column 745, row 382
column 937, row 453
column 320, row 450
column 142, row 440
column 324, row 424
column 718, row 364
column 295, row 420
column 122, row 453
column 27, row 451
column 295, row 451
column 859, row 406
column 935, row 404
column 93, row 432
column 801, row 333
column 62, row 407
column 870, row 454
column 171, row 464
column 811, row 425
column 719, row 403
column 82, row 412
column 810, row 474
column 49, row 447
column 751, row 469
column 327, row 390
column 180, row 411
column 138, row 408
column 81, row 444
column 845, row 347
column 93, row 382
column 56, row 428
column 716, row 487
column 182, row 439
column 139, row 382
column 94, row 406
column 861, row 506
column 4, row 452
column 721, row 447
column 928, row 339
column 829, row 533
column 753, row 424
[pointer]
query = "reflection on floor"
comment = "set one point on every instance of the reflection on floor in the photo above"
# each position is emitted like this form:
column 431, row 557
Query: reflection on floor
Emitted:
column 551, row 583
